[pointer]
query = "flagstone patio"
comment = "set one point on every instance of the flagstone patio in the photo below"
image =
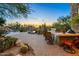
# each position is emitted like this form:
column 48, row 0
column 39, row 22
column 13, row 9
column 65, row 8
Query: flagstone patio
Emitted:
column 41, row 48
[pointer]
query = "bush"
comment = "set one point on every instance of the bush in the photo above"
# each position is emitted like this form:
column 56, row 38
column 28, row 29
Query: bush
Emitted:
column 75, row 20
column 7, row 43
column 24, row 48
column 11, row 40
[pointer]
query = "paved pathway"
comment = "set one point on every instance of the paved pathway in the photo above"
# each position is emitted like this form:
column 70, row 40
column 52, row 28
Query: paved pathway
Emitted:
column 41, row 48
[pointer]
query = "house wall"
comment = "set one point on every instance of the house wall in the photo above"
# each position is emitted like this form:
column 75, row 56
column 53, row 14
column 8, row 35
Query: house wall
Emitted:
column 74, row 9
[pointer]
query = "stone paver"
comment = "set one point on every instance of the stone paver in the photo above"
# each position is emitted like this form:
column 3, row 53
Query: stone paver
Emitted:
column 41, row 48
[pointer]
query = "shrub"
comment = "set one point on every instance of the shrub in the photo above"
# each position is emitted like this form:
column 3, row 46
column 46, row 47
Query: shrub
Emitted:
column 7, row 43
column 24, row 48
column 11, row 40
column 75, row 20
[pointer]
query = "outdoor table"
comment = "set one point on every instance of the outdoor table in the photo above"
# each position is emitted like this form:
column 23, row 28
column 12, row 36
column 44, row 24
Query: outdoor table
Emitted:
column 66, row 36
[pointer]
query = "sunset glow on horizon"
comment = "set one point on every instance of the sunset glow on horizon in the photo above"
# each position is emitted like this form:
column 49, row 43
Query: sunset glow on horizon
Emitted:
column 44, row 13
column 30, row 22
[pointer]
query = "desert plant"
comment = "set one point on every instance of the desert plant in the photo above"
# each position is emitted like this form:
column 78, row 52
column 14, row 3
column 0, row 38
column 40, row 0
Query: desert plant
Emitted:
column 75, row 20
column 7, row 43
column 24, row 48
column 11, row 40
column 63, row 24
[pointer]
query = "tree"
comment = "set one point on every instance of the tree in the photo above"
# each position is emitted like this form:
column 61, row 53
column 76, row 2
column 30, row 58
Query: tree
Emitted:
column 59, row 26
column 12, row 10
column 65, row 20
column 2, row 21
column 63, row 23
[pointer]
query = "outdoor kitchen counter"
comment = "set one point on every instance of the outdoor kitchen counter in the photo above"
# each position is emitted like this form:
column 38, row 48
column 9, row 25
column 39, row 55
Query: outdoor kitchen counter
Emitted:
column 67, row 36
column 60, row 36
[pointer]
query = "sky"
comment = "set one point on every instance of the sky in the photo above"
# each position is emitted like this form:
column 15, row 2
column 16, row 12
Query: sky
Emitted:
column 46, row 12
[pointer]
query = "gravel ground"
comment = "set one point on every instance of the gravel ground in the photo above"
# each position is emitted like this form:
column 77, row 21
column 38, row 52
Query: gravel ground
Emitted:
column 41, row 48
